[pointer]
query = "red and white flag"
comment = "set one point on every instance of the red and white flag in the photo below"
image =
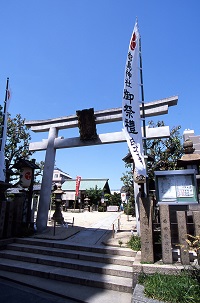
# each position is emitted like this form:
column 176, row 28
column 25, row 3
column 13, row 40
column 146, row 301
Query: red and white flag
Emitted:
column 78, row 181
column 131, row 107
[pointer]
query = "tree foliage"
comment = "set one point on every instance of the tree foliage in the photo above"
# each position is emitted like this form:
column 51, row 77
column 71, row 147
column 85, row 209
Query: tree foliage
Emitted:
column 94, row 194
column 165, row 153
column 17, row 142
column 17, row 145
column 127, row 179
column 113, row 199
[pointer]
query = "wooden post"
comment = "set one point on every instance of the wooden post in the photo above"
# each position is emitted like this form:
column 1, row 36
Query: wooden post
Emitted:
column 113, row 230
column 18, row 213
column 2, row 217
column 9, row 216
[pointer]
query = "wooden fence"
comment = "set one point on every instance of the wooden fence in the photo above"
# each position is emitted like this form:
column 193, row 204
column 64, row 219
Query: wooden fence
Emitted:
column 12, row 217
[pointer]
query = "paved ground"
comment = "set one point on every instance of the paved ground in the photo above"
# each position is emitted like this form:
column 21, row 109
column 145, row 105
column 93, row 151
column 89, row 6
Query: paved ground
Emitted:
column 92, row 228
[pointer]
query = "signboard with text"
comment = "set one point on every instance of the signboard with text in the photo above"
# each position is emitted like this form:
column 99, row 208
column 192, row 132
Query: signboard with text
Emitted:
column 176, row 186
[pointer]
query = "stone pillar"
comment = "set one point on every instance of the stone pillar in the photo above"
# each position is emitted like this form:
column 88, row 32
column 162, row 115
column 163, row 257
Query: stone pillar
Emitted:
column 146, row 229
column 137, row 195
column 166, row 234
column 196, row 219
column 45, row 193
column 182, row 236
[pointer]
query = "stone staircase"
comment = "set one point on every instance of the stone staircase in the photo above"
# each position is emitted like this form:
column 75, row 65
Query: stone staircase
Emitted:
column 98, row 266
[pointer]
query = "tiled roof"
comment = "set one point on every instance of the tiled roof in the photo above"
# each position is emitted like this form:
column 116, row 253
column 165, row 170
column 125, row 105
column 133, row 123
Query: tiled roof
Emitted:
column 70, row 185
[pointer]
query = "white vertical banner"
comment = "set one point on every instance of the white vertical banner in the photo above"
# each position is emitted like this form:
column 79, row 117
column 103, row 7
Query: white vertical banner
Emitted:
column 131, row 107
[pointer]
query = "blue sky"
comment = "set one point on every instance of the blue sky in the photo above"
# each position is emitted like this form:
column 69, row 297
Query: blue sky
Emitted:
column 68, row 55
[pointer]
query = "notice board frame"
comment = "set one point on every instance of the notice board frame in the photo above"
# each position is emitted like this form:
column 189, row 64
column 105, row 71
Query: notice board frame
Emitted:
column 176, row 187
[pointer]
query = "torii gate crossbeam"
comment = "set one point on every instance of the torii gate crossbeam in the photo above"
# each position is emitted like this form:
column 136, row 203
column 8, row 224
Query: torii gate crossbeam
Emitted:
column 53, row 142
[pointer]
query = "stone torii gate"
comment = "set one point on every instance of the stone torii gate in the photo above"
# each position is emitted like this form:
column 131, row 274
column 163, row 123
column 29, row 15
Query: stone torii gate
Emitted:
column 54, row 142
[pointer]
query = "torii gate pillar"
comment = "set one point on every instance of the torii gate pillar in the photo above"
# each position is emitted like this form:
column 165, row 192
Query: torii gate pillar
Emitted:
column 45, row 192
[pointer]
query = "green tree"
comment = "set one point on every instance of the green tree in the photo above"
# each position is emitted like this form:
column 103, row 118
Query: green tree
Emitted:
column 17, row 145
column 17, row 142
column 113, row 199
column 94, row 194
column 128, row 188
column 164, row 151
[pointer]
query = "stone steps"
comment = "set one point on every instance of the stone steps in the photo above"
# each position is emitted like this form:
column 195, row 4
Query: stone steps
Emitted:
column 70, row 253
column 77, row 264
column 64, row 291
column 100, row 267
column 78, row 247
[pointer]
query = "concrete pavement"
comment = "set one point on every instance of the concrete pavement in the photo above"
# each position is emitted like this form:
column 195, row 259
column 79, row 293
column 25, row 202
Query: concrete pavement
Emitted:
column 92, row 228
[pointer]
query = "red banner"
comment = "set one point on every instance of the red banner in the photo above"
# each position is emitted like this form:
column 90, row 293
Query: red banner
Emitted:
column 78, row 181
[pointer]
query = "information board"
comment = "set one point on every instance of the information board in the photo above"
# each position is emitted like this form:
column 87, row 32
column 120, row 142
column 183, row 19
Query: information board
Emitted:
column 176, row 186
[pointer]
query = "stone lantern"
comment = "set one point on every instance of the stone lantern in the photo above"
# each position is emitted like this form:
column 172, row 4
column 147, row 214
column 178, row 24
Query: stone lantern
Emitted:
column 57, row 216
column 26, row 170
column 190, row 160
column 86, row 206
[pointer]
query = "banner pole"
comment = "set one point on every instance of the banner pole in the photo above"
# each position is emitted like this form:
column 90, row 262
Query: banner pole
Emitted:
column 3, row 136
column 143, row 117
column 142, row 96
column 4, row 114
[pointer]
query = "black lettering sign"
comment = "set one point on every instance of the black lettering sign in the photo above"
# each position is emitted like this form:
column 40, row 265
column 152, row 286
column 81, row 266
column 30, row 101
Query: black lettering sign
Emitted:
column 135, row 149
column 128, row 83
column 129, row 65
column 130, row 125
column 130, row 57
column 128, row 110
column 128, row 73
column 128, row 96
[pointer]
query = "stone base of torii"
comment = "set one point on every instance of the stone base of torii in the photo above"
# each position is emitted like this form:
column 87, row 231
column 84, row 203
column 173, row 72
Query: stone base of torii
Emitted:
column 54, row 142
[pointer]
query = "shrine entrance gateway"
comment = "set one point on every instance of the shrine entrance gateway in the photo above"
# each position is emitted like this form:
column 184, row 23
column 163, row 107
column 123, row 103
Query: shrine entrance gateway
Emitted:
column 54, row 142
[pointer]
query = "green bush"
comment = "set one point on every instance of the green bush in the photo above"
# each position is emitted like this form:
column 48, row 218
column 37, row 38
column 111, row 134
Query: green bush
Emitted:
column 100, row 209
column 134, row 243
column 128, row 210
column 182, row 288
